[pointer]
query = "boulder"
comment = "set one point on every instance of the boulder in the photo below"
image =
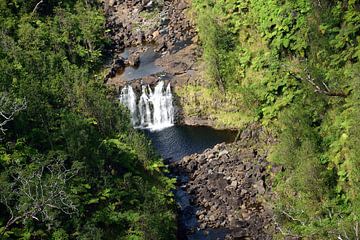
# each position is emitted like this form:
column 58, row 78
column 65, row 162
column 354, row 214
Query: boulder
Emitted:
column 111, row 3
column 224, row 152
column 227, row 183
column 164, row 21
column 140, row 38
column 134, row 60
column 156, row 34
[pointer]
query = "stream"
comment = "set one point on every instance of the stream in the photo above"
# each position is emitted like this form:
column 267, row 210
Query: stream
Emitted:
column 152, row 112
column 175, row 143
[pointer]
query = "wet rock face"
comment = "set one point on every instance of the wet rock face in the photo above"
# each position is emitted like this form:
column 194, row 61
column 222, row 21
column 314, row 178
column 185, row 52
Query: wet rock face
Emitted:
column 229, row 183
column 118, row 65
column 133, row 23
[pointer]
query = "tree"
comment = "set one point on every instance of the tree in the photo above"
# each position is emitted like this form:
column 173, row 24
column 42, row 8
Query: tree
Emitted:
column 9, row 107
column 36, row 190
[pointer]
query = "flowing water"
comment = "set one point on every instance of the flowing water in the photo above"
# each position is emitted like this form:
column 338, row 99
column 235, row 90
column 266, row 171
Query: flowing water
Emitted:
column 128, row 99
column 173, row 144
column 153, row 109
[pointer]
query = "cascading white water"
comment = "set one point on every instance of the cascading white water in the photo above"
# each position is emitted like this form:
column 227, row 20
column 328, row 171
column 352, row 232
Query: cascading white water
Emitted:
column 154, row 110
column 128, row 98
column 144, row 108
column 169, row 105
column 162, row 103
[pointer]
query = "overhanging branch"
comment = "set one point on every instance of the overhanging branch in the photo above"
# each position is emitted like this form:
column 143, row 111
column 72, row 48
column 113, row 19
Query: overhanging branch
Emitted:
column 324, row 89
column 9, row 107
column 37, row 6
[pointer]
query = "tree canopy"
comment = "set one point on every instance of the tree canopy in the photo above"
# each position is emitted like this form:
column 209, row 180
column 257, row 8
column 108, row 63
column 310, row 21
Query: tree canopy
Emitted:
column 292, row 66
column 71, row 165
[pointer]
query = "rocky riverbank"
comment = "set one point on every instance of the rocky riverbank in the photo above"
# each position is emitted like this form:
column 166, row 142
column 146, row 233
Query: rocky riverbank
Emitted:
column 138, row 25
column 230, row 183
column 158, row 41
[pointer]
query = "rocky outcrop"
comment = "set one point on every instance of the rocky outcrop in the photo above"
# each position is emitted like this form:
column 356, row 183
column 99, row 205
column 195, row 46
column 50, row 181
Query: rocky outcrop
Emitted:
column 118, row 65
column 134, row 60
column 133, row 23
column 230, row 183
column 138, row 25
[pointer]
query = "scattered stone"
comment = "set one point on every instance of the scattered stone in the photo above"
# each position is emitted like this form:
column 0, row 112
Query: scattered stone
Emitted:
column 155, row 34
column 134, row 60
column 111, row 3
column 227, row 184
column 140, row 37
column 259, row 186
column 222, row 153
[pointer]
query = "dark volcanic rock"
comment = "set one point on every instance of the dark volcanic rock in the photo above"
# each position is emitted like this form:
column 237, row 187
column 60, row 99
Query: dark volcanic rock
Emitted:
column 139, row 23
column 117, row 66
column 126, row 23
column 229, row 183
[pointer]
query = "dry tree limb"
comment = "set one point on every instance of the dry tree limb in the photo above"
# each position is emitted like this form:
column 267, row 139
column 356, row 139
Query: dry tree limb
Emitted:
column 44, row 190
column 37, row 6
column 284, row 232
column 325, row 90
column 321, row 88
column 292, row 218
column 9, row 107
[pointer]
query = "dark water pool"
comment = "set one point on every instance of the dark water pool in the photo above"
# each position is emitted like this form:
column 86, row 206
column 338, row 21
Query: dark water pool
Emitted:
column 178, row 141
column 147, row 65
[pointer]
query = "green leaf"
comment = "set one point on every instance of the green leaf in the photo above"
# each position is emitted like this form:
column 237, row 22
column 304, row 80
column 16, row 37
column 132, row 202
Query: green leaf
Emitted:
column 93, row 201
column 286, row 42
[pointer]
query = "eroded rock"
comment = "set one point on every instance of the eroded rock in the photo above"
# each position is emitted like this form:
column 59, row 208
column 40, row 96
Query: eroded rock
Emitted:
column 228, row 183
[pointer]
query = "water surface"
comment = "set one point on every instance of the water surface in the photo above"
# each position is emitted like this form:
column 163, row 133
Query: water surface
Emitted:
column 175, row 142
column 147, row 65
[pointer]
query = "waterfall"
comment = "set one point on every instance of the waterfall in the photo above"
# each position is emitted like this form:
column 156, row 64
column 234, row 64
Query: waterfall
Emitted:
column 144, row 107
column 128, row 99
column 169, row 105
column 154, row 110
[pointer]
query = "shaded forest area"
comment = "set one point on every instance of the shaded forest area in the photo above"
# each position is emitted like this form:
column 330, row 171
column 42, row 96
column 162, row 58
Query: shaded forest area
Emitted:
column 71, row 165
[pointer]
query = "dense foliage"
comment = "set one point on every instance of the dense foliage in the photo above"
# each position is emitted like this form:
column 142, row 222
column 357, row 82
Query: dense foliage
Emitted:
column 71, row 166
column 293, row 66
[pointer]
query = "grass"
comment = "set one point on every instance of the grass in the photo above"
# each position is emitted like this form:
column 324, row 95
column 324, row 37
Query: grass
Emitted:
column 200, row 101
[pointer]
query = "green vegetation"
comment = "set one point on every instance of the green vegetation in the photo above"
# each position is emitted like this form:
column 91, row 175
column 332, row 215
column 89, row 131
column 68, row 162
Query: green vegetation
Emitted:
column 71, row 166
column 294, row 67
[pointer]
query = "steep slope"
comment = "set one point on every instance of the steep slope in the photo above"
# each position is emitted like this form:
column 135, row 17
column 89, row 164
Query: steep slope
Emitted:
column 292, row 66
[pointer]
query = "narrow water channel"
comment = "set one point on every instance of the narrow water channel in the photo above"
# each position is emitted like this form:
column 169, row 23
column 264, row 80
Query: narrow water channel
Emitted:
column 173, row 144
